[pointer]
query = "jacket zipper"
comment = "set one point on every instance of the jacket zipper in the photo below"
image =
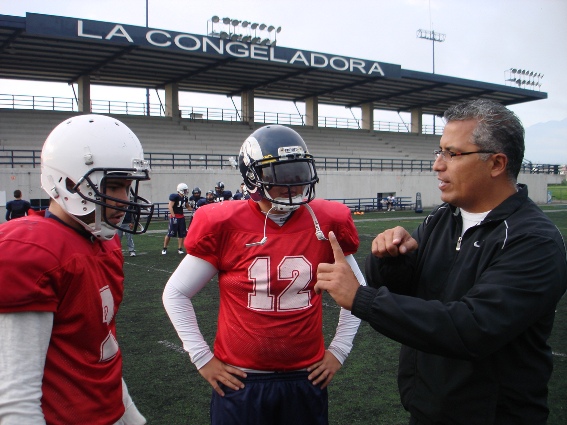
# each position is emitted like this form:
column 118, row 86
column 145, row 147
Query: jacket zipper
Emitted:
column 458, row 248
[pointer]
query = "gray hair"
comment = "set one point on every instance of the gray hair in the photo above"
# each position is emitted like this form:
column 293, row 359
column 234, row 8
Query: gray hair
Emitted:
column 498, row 130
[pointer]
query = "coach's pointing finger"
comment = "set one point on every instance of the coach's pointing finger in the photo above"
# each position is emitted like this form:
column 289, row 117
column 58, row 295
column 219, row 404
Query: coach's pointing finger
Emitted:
column 337, row 250
column 338, row 278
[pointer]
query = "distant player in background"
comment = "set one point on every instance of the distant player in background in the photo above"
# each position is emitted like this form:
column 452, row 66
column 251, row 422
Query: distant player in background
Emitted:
column 177, row 224
column 17, row 207
column 241, row 193
column 128, row 224
column 391, row 202
column 62, row 281
column 221, row 194
column 208, row 199
column 193, row 201
column 195, row 197
column 270, row 365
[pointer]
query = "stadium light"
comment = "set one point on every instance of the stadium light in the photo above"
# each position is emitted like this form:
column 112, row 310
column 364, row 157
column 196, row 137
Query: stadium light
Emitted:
column 214, row 20
column 435, row 37
column 230, row 31
column 523, row 78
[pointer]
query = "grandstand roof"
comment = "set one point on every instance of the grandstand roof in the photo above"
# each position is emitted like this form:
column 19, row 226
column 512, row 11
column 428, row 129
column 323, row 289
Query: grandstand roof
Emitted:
column 56, row 49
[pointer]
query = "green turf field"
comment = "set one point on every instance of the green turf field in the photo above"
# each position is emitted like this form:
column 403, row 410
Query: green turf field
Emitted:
column 168, row 390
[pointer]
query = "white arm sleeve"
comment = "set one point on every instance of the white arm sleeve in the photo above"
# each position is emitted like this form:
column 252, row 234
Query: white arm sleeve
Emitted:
column 24, row 340
column 348, row 324
column 189, row 278
column 132, row 415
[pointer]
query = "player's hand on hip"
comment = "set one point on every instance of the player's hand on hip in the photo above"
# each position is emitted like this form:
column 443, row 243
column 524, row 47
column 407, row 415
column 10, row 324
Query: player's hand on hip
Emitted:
column 216, row 372
column 393, row 242
column 337, row 279
column 321, row 373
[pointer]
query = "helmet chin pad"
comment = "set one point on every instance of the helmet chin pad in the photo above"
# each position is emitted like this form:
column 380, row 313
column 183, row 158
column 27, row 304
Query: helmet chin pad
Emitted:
column 282, row 204
column 96, row 227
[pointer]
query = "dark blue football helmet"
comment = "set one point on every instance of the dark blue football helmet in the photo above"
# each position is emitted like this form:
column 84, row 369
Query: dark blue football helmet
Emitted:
column 277, row 156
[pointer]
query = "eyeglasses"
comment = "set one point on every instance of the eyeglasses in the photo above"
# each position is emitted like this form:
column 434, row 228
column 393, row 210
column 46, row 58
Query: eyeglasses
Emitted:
column 448, row 155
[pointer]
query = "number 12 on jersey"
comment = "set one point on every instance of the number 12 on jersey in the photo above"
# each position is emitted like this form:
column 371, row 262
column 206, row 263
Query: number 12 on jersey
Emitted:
column 295, row 296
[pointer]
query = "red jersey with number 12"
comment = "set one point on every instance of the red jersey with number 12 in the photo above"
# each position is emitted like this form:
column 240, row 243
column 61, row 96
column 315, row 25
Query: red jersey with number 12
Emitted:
column 269, row 317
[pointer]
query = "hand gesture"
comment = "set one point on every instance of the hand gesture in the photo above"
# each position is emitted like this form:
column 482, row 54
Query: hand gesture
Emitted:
column 393, row 242
column 337, row 279
column 323, row 371
column 216, row 372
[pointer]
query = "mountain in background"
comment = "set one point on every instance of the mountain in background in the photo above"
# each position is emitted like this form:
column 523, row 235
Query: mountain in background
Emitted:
column 546, row 143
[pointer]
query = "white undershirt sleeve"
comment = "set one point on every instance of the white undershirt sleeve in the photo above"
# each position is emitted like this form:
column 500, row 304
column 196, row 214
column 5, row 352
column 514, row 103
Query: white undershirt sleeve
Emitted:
column 189, row 278
column 24, row 338
column 348, row 324
column 132, row 415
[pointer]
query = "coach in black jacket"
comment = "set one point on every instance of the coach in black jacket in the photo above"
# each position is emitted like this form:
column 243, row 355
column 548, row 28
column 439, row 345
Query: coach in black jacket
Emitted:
column 472, row 293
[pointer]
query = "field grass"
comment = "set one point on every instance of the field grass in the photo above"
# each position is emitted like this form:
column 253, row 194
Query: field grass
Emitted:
column 168, row 390
column 558, row 192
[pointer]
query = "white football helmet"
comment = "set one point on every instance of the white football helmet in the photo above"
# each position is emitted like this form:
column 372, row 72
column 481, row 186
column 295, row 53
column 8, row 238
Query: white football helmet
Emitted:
column 77, row 158
column 182, row 189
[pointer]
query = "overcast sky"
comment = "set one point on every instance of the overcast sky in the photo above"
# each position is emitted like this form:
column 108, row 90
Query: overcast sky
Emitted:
column 484, row 38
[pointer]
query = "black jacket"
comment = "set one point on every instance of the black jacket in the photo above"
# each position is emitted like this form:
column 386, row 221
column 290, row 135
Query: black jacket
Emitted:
column 473, row 319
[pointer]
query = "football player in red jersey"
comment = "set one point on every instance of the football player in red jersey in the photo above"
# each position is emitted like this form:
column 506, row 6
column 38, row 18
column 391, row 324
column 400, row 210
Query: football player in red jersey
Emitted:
column 62, row 281
column 270, row 365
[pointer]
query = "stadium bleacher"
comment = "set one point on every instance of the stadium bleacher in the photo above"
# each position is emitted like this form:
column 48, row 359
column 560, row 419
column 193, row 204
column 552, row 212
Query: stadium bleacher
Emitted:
column 25, row 129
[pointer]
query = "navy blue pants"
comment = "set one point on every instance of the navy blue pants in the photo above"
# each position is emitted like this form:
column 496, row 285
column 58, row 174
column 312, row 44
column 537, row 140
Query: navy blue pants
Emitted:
column 177, row 227
column 272, row 399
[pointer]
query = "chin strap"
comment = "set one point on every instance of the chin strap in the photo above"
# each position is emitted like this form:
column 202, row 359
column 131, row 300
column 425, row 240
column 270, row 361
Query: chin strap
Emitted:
column 318, row 231
column 265, row 238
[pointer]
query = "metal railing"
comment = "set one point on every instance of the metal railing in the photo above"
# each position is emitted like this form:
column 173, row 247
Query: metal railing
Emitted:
column 20, row 158
column 373, row 164
column 46, row 103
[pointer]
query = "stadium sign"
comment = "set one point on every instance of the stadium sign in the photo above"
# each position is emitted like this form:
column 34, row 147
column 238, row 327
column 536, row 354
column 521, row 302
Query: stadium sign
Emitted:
column 106, row 32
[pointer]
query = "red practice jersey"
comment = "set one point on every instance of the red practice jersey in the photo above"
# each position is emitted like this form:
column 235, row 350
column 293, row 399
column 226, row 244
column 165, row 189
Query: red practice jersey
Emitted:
column 49, row 267
column 269, row 317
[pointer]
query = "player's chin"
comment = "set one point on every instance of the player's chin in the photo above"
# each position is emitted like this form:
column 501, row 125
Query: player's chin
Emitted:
column 115, row 220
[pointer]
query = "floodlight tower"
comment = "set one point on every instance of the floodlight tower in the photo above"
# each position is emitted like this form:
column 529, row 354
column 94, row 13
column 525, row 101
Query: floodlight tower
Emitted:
column 435, row 37
column 147, row 88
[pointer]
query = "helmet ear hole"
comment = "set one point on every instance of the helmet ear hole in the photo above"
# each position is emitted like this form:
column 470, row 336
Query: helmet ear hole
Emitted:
column 70, row 185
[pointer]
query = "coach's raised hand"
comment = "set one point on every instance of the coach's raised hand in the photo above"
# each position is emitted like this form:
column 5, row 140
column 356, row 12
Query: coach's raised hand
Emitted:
column 338, row 278
column 393, row 242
